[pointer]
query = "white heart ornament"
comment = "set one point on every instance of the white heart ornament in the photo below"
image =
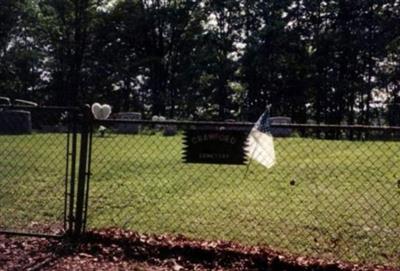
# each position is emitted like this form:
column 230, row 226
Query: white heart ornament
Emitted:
column 101, row 112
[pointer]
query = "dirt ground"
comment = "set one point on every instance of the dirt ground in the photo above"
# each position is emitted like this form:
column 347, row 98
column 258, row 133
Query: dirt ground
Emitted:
column 116, row 249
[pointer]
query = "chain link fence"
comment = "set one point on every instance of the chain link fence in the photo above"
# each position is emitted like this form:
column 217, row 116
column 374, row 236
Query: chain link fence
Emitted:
column 332, row 193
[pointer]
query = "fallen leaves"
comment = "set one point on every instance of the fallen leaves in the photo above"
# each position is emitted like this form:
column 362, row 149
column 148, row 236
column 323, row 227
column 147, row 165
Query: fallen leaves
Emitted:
column 116, row 249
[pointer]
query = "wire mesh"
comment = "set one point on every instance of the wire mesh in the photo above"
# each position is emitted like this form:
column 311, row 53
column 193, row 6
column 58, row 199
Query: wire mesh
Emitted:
column 332, row 193
column 33, row 162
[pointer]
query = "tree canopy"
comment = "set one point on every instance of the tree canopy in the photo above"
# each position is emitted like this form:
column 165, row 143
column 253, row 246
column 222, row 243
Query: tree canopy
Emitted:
column 326, row 61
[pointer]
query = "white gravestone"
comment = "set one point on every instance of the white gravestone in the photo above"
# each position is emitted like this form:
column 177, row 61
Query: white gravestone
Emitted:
column 128, row 128
column 280, row 132
column 101, row 112
column 167, row 130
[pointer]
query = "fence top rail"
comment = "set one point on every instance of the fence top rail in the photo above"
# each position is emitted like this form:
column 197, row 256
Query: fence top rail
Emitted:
column 249, row 125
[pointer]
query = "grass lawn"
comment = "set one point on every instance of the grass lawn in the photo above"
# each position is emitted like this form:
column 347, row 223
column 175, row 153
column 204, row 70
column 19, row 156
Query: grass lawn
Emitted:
column 323, row 198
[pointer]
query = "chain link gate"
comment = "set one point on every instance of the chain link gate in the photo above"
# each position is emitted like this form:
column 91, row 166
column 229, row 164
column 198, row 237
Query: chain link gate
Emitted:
column 42, row 170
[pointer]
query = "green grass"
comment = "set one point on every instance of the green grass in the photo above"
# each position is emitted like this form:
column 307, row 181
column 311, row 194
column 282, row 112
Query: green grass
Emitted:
column 344, row 203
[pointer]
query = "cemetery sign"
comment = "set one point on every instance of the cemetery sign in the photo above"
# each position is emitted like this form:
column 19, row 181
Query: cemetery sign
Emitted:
column 214, row 146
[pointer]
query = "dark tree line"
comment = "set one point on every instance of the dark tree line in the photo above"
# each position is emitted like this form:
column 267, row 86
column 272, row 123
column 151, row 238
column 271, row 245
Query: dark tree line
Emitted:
column 328, row 61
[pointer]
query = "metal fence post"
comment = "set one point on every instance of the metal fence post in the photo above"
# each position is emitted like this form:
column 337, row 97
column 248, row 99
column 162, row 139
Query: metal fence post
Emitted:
column 70, row 195
column 81, row 196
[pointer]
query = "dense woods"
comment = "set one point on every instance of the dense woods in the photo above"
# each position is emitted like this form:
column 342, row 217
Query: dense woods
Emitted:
column 326, row 61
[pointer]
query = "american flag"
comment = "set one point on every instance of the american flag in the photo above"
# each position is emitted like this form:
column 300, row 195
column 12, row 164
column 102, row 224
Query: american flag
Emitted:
column 263, row 123
column 260, row 145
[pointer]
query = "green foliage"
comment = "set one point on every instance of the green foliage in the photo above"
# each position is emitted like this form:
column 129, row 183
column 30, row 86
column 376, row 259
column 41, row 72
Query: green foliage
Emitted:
column 327, row 61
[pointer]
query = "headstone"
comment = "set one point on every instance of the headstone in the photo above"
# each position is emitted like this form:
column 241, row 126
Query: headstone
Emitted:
column 101, row 112
column 128, row 128
column 167, row 129
column 15, row 122
column 280, row 132
column 170, row 130
column 158, row 127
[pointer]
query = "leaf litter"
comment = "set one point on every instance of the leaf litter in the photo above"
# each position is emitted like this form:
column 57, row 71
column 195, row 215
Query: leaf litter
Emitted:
column 117, row 249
